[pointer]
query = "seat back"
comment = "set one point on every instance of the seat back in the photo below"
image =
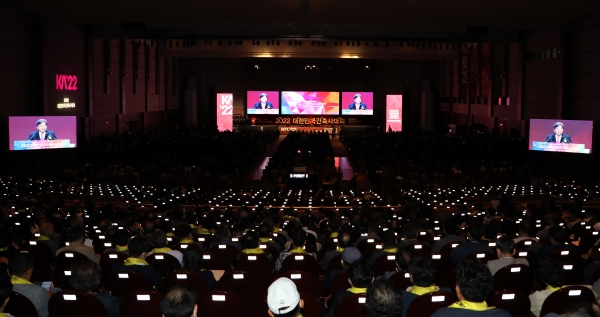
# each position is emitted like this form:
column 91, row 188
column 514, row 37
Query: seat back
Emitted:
column 515, row 302
column 401, row 280
column 244, row 284
column 448, row 247
column 141, row 303
column 352, row 306
column 163, row 263
column 559, row 301
column 443, row 263
column 482, row 257
column 41, row 248
column 530, row 256
column 42, row 270
column 301, row 262
column 515, row 276
column 65, row 260
column 192, row 280
column 222, row 303
column 573, row 272
column 525, row 245
column 335, row 263
column 421, row 248
column 62, row 279
column 108, row 259
column 448, row 280
column 214, row 262
column 122, row 282
column 305, row 282
column 562, row 255
column 256, row 264
column 362, row 246
column 227, row 252
column 339, row 283
column 20, row 305
column 427, row 304
column 384, row 263
column 312, row 307
column 72, row 304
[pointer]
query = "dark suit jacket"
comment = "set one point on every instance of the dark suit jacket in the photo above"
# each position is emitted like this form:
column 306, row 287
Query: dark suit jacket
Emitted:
column 564, row 138
column 362, row 106
column 36, row 135
column 268, row 105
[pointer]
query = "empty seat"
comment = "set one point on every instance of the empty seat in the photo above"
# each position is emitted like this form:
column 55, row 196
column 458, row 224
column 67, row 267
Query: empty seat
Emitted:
column 515, row 276
column 559, row 301
column 122, row 282
column 515, row 302
column 427, row 304
column 144, row 303
column 384, row 263
column 72, row 304
column 192, row 280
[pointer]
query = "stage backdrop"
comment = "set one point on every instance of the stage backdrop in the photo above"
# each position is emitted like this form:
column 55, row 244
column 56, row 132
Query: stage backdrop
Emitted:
column 393, row 112
column 225, row 111
column 64, row 128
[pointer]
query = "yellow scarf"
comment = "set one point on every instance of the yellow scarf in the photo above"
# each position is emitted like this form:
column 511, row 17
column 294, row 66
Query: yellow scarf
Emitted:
column 357, row 290
column 298, row 250
column 264, row 240
column 334, row 234
column 135, row 261
column 552, row 288
column 253, row 251
column 391, row 250
column 340, row 249
column 471, row 305
column 275, row 229
column 19, row 281
column 418, row 290
column 187, row 241
column 161, row 250
column 193, row 226
column 43, row 238
column 204, row 231
column 4, row 249
column 6, row 315
column 121, row 248
column 170, row 234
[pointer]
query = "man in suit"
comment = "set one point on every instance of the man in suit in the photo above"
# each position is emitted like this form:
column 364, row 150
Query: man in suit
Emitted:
column 42, row 132
column 505, row 249
column 558, row 136
column 263, row 103
column 357, row 104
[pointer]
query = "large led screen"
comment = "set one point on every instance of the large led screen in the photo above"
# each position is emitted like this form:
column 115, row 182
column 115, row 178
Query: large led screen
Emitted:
column 262, row 102
column 40, row 133
column 556, row 135
column 225, row 112
column 357, row 103
column 393, row 112
column 309, row 103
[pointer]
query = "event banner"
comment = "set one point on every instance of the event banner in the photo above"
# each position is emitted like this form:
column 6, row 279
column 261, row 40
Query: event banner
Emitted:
column 310, row 120
column 225, row 112
column 557, row 135
column 310, row 103
column 39, row 133
column 393, row 112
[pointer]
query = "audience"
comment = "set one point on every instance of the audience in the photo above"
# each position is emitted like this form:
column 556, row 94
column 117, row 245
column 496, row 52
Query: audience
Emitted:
column 505, row 249
column 85, row 277
column 21, row 269
column 6, row 289
column 283, row 299
column 550, row 273
column 475, row 243
column 159, row 241
column 297, row 244
column 250, row 242
column 383, row 300
column 139, row 247
column 422, row 272
column 179, row 301
column 192, row 261
column 450, row 229
column 349, row 256
column 76, row 236
column 360, row 276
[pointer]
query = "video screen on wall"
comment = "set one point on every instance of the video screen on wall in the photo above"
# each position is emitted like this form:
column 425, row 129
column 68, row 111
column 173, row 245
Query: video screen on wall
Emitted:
column 557, row 135
column 310, row 103
column 40, row 133
column 262, row 102
column 357, row 103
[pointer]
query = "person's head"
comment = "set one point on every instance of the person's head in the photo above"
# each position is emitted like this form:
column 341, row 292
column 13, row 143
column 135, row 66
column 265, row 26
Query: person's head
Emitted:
column 474, row 282
column 334, row 224
column 357, row 98
column 422, row 271
column 409, row 230
column 121, row 237
column 46, row 229
column 22, row 265
column 373, row 227
column 558, row 235
column 250, row 240
column 283, row 298
column 383, row 300
column 525, row 228
column 350, row 255
column 179, row 301
column 551, row 272
column 192, row 258
column 139, row 247
column 476, row 230
column 75, row 234
column 344, row 239
column 558, row 127
column 264, row 230
column 158, row 239
column 262, row 97
column 403, row 257
column 450, row 226
column 42, row 125
column 222, row 231
column 505, row 245
column 298, row 238
column 85, row 275
column 183, row 231
column 360, row 274
column 388, row 238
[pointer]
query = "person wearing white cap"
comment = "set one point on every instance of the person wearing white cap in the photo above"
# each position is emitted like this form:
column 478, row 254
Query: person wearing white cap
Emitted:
column 283, row 299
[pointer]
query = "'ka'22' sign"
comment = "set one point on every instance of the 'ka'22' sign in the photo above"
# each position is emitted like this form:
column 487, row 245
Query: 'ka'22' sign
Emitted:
column 66, row 82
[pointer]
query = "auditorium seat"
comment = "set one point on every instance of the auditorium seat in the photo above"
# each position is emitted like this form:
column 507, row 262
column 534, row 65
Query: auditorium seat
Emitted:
column 331, row 245
column 108, row 259
column 515, row 302
column 384, row 263
column 122, row 282
column 227, row 252
column 401, row 280
column 192, row 280
column 443, row 263
column 587, row 242
column 482, row 257
column 214, row 262
column 562, row 255
column 573, row 272
column 447, row 248
column 65, row 260
column 525, row 245
column 427, row 304
column 305, row 282
column 244, row 284
column 222, row 303
column 559, row 301
column 143, row 303
column 42, row 270
column 335, row 263
column 301, row 262
column 515, row 276
column 61, row 279
column 421, row 249
column 271, row 250
column 163, row 263
column 339, row 283
column 367, row 247
column 530, row 256
column 41, row 248
column 19, row 305
column 448, row 280
column 352, row 306
column 72, row 304
column 256, row 264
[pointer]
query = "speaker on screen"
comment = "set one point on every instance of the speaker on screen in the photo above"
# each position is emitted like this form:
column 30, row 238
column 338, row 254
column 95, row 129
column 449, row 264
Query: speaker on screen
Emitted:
column 556, row 135
column 42, row 133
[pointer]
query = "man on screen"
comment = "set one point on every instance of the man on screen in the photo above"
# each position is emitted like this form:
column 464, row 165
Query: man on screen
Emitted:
column 357, row 104
column 558, row 136
column 42, row 132
column 263, row 103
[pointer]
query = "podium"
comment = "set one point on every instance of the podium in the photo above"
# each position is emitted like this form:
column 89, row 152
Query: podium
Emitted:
column 560, row 147
column 42, row 144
